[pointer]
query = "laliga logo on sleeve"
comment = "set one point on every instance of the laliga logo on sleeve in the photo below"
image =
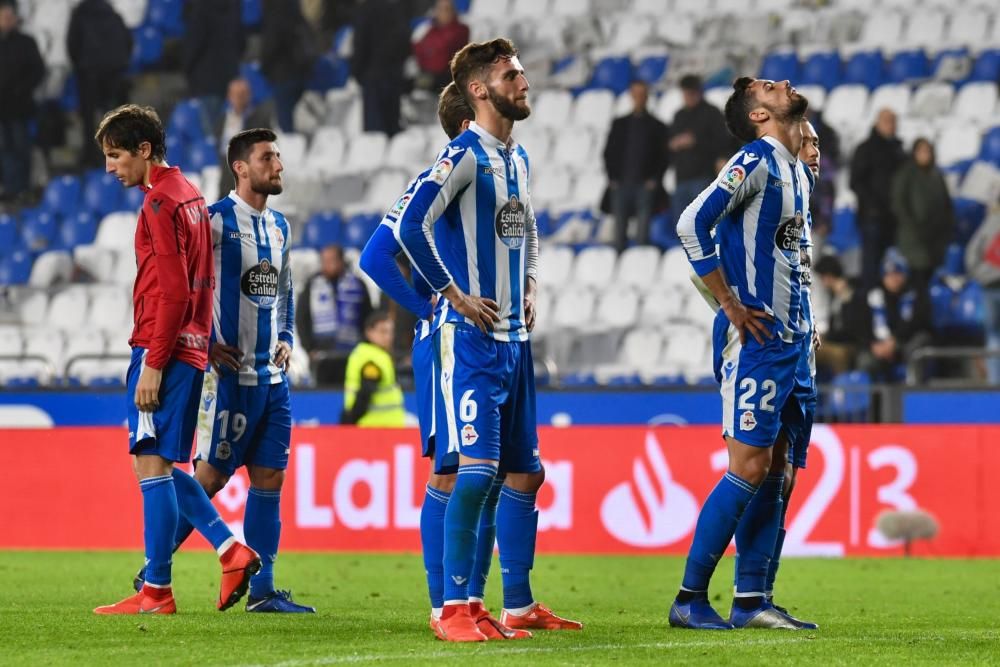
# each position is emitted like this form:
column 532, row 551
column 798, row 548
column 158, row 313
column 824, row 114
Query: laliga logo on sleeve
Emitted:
column 660, row 514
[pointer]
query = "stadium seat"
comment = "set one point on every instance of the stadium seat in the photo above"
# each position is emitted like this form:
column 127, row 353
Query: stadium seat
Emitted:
column 574, row 147
column 359, row 228
column 637, row 348
column 167, row 15
column 495, row 9
column 68, row 309
column 252, row 13
column 613, row 73
column 629, row 32
column 990, row 150
column 328, row 72
column 865, row 68
column 843, row 106
column 530, row 10
column 617, row 308
column 260, row 89
column 555, row 265
column 32, row 307
column 62, row 195
column 969, row 215
column 679, row 31
column 80, row 346
column 47, row 343
column 925, row 28
column 850, row 399
column 674, row 270
column 384, row 188
column 908, row 66
column 110, row 308
column 321, row 230
column 15, row 269
column 132, row 200
column 986, row 67
column 187, row 121
column 594, row 266
column 201, row 154
column 326, row 152
column 932, row 99
column 652, row 68
column 668, row 104
column 969, row 25
column 125, row 269
column 975, row 101
column 305, row 263
column 102, row 193
column 8, row 233
column 895, row 96
column 38, row 230
column 26, row 374
column 147, row 47
column 117, row 231
column 536, row 140
column 717, row 96
column 882, row 29
column 408, row 149
column 815, row 94
column 780, row 65
column 981, row 182
column 574, row 308
column 293, row 150
column 637, row 268
column 822, row 69
column 132, row 11
column 594, row 109
column 52, row 267
column 663, row 305
column 957, row 142
column 588, row 189
column 11, row 341
column 552, row 108
column 365, row 152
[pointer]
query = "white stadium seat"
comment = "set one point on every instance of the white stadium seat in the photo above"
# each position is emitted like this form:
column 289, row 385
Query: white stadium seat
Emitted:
column 550, row 188
column 846, row 107
column 675, row 269
column 975, row 101
column 52, row 267
column 618, row 307
column 815, row 94
column 664, row 304
column 594, row 266
column 98, row 261
column 895, row 96
column 365, row 152
column 529, row 9
column 537, row 142
column 637, row 267
column 882, row 29
column 925, row 29
column 555, row 265
column 384, row 188
column 79, row 344
column 11, row 341
column 117, row 231
column 589, row 189
column 969, row 25
column 293, row 149
column 68, row 308
column 574, row 309
column 46, row 343
column 110, row 307
column 669, row 104
column 956, row 143
column 125, row 269
column 305, row 263
column 552, row 108
column 496, row 9
column 594, row 109
column 33, row 308
column 326, row 152
column 717, row 96
column 981, row 183
column 575, row 147
column 409, row 149
column 932, row 99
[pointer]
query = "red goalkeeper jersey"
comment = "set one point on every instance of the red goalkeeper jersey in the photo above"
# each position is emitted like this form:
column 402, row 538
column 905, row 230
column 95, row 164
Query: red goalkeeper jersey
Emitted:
column 172, row 297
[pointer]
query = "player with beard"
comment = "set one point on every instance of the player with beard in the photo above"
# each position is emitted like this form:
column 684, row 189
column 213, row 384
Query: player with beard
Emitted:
column 469, row 231
column 245, row 416
column 756, row 207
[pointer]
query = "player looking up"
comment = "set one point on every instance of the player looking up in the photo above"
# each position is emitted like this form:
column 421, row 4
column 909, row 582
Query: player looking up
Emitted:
column 756, row 206
column 172, row 304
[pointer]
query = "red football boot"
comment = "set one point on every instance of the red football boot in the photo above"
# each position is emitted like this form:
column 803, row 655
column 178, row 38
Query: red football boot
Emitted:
column 539, row 617
column 491, row 627
column 239, row 563
column 457, row 625
column 149, row 600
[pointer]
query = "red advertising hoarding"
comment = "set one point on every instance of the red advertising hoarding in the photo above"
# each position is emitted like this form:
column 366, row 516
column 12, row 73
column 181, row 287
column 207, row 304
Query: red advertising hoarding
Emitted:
column 608, row 489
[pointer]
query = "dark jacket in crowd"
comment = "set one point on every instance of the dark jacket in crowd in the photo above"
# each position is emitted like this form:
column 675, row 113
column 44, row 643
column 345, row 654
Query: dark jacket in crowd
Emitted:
column 925, row 221
column 850, row 318
column 636, row 150
column 213, row 45
column 874, row 164
column 907, row 313
column 98, row 41
column 712, row 142
column 381, row 39
column 288, row 47
column 21, row 70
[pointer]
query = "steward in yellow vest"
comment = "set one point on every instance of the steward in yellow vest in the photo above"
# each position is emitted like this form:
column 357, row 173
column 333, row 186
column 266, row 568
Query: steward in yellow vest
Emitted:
column 371, row 395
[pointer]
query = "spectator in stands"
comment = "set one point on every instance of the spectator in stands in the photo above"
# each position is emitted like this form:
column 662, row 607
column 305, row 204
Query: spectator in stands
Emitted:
column 21, row 70
column 239, row 115
column 925, row 222
column 699, row 145
column 874, row 164
column 846, row 321
column 381, row 47
column 434, row 50
column 288, row 51
column 330, row 315
column 982, row 261
column 100, row 47
column 957, row 314
column 899, row 320
column 635, row 158
column 371, row 395
column 213, row 48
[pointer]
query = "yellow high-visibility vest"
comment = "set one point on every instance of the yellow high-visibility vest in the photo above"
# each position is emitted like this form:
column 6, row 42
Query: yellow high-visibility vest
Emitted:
column 386, row 407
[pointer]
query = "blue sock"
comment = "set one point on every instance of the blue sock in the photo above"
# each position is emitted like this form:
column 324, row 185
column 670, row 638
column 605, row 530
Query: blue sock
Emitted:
column 159, row 516
column 772, row 570
column 716, row 524
column 756, row 535
column 432, row 541
column 486, row 541
column 262, row 529
column 517, row 526
column 461, row 526
column 195, row 506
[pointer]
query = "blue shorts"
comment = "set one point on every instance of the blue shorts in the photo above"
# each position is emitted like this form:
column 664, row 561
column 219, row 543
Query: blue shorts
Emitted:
column 425, row 379
column 243, row 425
column 169, row 431
column 797, row 417
column 486, row 398
column 756, row 381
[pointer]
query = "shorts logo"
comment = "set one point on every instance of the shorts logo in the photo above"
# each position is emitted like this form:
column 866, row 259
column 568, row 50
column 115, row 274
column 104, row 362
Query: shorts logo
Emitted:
column 207, row 399
column 260, row 283
column 534, row 452
column 441, row 171
column 728, row 369
column 223, row 451
column 747, row 421
column 733, row 178
column 788, row 237
column 469, row 435
column 510, row 223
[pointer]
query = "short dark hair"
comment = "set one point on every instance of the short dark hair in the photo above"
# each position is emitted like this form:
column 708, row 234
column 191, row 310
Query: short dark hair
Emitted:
column 130, row 125
column 242, row 143
column 375, row 318
column 475, row 58
column 829, row 265
column 692, row 82
column 453, row 110
column 738, row 107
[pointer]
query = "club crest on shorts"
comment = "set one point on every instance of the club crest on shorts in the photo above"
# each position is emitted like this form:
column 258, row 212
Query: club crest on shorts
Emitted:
column 469, row 435
column 223, row 450
column 747, row 421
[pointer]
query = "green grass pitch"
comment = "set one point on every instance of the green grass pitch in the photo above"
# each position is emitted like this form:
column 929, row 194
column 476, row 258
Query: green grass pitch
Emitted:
column 373, row 610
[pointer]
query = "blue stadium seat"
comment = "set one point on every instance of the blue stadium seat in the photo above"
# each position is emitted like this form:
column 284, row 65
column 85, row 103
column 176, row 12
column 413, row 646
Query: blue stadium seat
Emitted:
column 187, row 121
column 580, row 379
column 822, row 69
column 671, row 380
column 626, row 381
column 543, row 221
column 844, row 230
column 147, row 47
column 359, row 228
column 260, row 89
column 104, row 382
column 201, row 154
column 960, row 168
column 8, row 233
column 652, row 69
column 77, row 230
column 69, row 99
column 462, row 6
column 990, row 149
column 16, row 268
column 866, row 68
column 132, row 199
column 908, row 66
column 986, row 67
column 252, row 12
column 167, row 15
column 329, row 72
column 850, row 398
column 102, row 193
column 663, row 231
column 38, row 229
column 969, row 214
column 62, row 195
column 321, row 229
column 780, row 66
column 613, row 73
column 176, row 147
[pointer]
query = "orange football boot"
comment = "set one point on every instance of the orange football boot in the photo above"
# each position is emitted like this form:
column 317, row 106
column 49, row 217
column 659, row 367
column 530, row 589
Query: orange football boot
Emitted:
column 539, row 617
column 457, row 625
column 491, row 627
column 149, row 600
column 239, row 563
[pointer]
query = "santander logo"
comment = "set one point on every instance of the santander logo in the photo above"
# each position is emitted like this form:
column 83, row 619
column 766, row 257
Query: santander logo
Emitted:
column 651, row 509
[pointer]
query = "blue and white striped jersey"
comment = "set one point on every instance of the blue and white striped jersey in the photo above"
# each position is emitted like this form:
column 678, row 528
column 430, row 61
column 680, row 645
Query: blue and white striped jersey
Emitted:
column 485, row 239
column 757, row 206
column 254, row 306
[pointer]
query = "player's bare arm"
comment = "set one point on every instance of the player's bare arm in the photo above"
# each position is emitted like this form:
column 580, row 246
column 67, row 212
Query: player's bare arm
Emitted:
column 222, row 356
column 482, row 311
column 530, row 297
column 147, row 392
column 282, row 353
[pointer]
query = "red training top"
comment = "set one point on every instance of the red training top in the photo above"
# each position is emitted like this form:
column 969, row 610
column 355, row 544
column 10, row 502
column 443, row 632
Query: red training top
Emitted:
column 172, row 297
